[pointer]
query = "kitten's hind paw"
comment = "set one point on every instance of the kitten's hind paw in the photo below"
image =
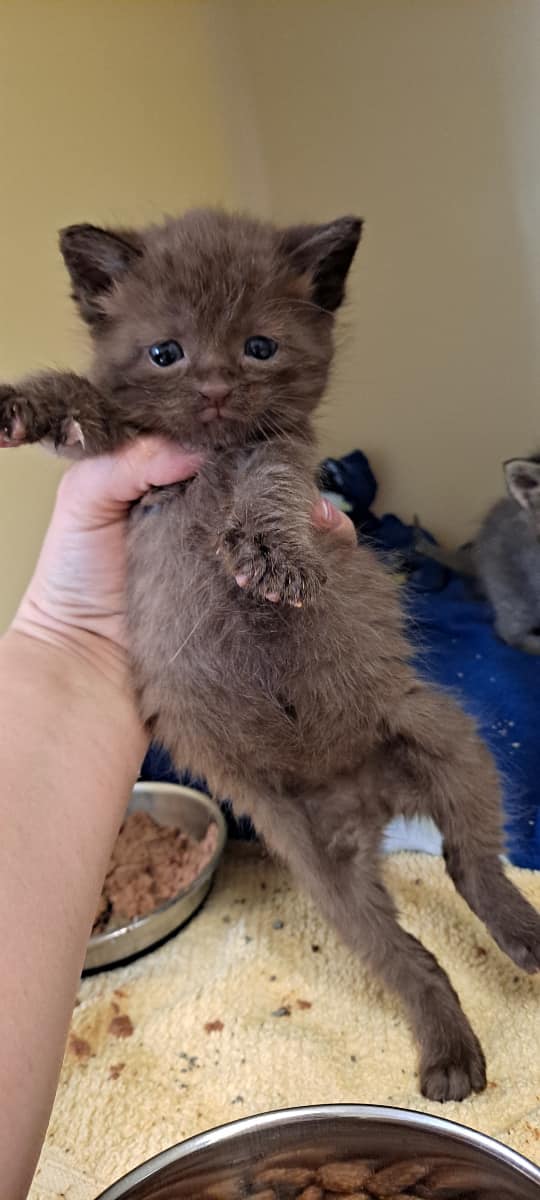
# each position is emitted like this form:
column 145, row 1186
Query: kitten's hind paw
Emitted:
column 456, row 1072
column 517, row 933
column 266, row 573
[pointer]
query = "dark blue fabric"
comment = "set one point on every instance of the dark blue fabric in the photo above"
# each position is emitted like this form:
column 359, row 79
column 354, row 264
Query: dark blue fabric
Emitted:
column 496, row 684
column 457, row 648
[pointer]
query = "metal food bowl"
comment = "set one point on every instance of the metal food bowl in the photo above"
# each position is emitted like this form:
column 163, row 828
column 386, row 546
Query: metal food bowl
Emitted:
column 224, row 1163
column 192, row 812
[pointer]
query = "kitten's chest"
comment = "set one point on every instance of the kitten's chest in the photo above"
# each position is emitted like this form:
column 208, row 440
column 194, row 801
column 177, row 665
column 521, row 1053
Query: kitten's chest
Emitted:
column 174, row 531
column 195, row 640
column 176, row 582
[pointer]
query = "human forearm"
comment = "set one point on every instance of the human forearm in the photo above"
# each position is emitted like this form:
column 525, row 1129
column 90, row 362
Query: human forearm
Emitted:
column 70, row 746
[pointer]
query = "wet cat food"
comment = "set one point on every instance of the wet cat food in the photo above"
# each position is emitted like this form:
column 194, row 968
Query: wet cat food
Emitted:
column 150, row 864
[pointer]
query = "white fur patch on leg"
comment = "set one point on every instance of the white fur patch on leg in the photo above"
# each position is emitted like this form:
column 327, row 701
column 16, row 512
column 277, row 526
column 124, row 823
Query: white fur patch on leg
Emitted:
column 18, row 431
column 74, row 435
column 73, row 441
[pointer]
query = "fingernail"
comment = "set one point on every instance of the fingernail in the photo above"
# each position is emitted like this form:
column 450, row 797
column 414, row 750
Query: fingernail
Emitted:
column 241, row 580
column 327, row 510
column 273, row 597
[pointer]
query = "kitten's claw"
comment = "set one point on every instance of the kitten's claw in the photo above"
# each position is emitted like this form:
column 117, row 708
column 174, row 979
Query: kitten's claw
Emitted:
column 12, row 430
column 21, row 421
column 265, row 573
column 73, row 434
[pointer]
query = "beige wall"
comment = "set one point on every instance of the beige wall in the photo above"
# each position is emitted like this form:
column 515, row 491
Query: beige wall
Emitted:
column 422, row 115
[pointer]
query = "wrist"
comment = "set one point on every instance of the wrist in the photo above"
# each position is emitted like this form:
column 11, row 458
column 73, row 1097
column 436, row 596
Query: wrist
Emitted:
column 90, row 672
column 82, row 645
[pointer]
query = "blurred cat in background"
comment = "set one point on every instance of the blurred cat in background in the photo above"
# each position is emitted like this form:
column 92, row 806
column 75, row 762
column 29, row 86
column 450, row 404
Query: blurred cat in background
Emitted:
column 503, row 561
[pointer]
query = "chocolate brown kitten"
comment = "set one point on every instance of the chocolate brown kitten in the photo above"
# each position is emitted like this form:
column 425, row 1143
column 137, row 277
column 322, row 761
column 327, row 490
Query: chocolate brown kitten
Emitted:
column 217, row 331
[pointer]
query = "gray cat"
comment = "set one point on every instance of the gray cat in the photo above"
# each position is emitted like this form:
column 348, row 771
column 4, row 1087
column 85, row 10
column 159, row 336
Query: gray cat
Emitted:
column 504, row 559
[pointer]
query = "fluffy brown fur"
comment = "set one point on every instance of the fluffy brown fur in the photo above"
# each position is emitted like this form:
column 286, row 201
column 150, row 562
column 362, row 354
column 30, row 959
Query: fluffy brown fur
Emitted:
column 307, row 711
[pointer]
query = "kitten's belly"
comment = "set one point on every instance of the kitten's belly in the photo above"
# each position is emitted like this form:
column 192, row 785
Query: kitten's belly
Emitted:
column 234, row 688
column 207, row 665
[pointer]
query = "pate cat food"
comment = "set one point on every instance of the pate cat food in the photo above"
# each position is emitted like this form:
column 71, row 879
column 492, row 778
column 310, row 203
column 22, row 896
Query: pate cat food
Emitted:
column 149, row 865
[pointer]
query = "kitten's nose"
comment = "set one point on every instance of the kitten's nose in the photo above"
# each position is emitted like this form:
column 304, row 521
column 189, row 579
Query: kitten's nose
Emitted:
column 215, row 391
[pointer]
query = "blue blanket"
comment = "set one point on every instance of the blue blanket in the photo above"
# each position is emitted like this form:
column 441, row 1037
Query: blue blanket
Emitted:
column 458, row 649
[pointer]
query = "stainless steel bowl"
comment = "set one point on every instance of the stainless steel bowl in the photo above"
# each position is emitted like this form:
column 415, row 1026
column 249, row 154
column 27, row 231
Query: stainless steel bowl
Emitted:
column 169, row 804
column 218, row 1165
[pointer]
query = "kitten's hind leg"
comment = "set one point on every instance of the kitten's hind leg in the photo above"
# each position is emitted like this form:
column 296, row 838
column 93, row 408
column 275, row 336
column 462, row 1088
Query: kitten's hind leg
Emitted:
column 331, row 845
column 443, row 770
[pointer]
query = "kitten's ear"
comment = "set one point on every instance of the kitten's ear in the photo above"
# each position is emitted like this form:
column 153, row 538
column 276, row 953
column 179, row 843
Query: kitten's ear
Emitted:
column 523, row 480
column 95, row 259
column 324, row 252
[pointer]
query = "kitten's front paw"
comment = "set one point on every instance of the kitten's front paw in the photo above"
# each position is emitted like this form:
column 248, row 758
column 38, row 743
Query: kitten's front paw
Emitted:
column 266, row 573
column 12, row 428
column 22, row 421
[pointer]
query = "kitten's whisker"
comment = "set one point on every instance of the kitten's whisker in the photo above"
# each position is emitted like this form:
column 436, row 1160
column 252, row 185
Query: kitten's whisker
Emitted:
column 186, row 640
column 269, row 426
column 293, row 422
column 324, row 312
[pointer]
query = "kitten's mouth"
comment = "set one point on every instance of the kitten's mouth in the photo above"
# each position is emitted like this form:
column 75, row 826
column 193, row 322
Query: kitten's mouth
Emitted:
column 217, row 414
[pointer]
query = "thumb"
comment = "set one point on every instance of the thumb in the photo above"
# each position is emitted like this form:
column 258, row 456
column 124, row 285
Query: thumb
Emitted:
column 103, row 487
column 327, row 517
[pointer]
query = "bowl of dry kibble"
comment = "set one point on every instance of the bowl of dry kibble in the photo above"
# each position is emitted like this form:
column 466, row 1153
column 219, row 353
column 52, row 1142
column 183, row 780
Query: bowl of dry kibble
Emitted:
column 335, row 1152
column 160, row 872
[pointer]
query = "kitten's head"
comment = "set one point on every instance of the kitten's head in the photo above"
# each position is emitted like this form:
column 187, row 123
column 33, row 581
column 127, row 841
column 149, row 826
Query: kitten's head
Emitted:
column 523, row 482
column 213, row 329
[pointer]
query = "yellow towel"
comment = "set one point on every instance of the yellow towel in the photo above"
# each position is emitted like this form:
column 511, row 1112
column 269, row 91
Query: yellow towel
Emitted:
column 191, row 1036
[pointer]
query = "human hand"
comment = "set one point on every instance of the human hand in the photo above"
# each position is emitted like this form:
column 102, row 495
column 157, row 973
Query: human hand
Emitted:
column 328, row 518
column 77, row 594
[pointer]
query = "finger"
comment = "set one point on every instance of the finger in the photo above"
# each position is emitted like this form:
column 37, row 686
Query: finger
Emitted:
column 150, row 462
column 327, row 517
column 111, row 482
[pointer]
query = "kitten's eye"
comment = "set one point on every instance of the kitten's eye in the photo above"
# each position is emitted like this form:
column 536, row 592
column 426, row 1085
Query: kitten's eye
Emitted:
column 164, row 354
column 260, row 347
